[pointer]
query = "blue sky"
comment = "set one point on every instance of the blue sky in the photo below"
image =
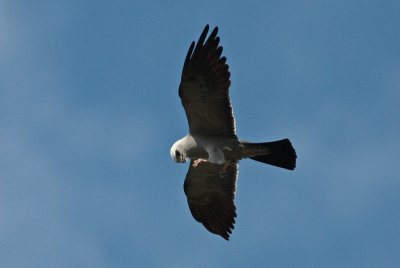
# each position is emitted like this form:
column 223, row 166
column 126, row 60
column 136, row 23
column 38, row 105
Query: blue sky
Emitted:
column 89, row 110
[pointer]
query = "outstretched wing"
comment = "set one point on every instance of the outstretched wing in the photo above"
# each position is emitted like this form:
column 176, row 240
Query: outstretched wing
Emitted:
column 211, row 196
column 204, row 88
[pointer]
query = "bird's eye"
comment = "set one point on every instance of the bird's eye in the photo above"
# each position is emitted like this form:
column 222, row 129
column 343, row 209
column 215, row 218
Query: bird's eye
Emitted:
column 177, row 154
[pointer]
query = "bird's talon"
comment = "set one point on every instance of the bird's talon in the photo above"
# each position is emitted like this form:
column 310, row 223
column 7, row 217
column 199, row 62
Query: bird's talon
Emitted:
column 224, row 168
column 198, row 161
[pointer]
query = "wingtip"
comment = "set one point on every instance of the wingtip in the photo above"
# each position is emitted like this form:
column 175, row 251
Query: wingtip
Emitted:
column 206, row 29
column 226, row 235
column 214, row 31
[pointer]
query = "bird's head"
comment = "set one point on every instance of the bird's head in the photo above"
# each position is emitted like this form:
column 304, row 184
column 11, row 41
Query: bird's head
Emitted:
column 177, row 152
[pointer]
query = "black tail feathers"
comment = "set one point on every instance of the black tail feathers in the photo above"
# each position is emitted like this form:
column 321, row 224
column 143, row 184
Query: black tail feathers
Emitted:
column 282, row 154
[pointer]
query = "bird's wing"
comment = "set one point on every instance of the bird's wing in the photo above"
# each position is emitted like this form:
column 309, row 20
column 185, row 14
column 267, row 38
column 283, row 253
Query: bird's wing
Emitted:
column 211, row 196
column 204, row 88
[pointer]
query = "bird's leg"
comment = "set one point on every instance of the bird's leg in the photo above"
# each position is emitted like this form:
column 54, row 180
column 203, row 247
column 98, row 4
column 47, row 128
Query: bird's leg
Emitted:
column 198, row 161
column 224, row 168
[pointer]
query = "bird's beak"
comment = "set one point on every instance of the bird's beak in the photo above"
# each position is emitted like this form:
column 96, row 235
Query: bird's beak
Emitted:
column 183, row 158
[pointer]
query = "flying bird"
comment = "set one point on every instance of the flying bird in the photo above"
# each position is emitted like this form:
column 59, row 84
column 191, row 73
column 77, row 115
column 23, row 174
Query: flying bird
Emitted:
column 212, row 146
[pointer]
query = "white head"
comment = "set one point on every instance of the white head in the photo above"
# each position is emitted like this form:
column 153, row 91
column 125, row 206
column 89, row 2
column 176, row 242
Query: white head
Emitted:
column 178, row 153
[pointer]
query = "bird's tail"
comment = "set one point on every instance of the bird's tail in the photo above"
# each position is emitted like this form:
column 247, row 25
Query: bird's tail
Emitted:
column 277, row 153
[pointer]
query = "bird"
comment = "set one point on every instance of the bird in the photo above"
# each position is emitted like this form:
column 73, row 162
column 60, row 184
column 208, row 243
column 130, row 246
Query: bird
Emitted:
column 212, row 146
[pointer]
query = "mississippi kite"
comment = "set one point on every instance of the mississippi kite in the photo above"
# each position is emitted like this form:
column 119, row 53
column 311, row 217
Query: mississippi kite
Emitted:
column 212, row 144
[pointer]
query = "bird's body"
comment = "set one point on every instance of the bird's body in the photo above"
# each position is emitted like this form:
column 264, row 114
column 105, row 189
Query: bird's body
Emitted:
column 219, row 150
column 212, row 144
column 216, row 150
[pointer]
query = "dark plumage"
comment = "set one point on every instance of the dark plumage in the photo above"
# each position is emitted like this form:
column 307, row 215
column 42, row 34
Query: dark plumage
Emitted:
column 212, row 144
column 204, row 88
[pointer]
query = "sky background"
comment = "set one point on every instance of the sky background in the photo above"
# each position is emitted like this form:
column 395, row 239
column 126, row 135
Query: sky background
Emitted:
column 89, row 110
